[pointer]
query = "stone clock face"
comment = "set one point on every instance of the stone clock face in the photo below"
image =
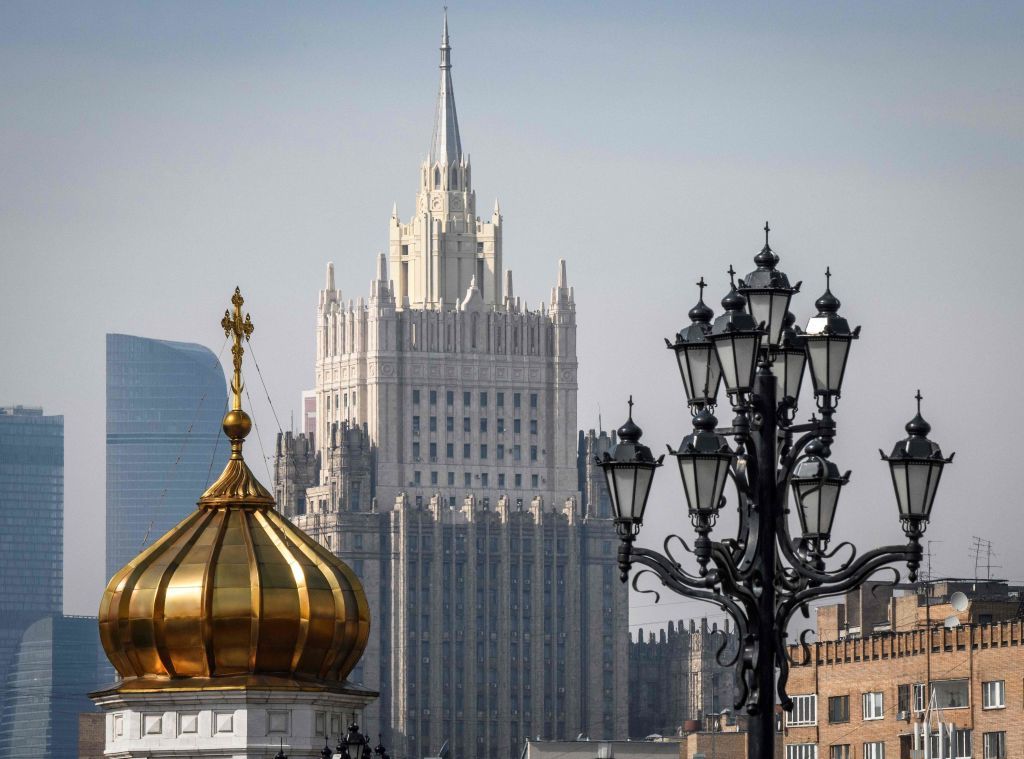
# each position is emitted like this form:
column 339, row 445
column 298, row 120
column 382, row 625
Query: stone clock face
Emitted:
column 456, row 204
column 436, row 204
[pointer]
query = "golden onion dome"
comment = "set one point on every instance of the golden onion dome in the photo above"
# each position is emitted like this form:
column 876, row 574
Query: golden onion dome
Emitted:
column 235, row 595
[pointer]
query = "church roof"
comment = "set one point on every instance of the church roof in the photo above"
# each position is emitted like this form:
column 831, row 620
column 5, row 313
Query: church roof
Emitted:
column 446, row 146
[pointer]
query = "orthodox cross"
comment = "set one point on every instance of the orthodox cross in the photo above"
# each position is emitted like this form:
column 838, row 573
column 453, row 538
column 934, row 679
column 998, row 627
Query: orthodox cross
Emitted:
column 236, row 328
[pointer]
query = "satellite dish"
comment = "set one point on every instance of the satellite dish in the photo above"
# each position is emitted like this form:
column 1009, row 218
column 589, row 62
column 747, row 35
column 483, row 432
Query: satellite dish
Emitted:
column 958, row 601
column 951, row 621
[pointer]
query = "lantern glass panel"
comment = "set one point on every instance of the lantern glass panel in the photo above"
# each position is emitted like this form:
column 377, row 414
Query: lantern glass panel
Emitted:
column 828, row 356
column 916, row 483
column 788, row 367
column 613, row 491
column 703, row 480
column 701, row 372
column 628, row 487
column 769, row 306
column 737, row 354
column 795, row 362
column 817, row 505
column 642, row 489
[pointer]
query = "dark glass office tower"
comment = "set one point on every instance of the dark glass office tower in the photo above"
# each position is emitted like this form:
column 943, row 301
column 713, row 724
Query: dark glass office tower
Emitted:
column 165, row 401
column 31, row 522
column 54, row 667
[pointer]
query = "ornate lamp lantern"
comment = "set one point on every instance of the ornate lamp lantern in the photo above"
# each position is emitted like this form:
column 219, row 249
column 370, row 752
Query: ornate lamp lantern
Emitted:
column 828, row 346
column 704, row 457
column 788, row 359
column 698, row 362
column 629, row 471
column 736, row 337
column 768, row 292
column 816, row 484
column 916, row 465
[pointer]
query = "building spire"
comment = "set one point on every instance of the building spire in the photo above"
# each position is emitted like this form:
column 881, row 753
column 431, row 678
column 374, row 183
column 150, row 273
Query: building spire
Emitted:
column 446, row 147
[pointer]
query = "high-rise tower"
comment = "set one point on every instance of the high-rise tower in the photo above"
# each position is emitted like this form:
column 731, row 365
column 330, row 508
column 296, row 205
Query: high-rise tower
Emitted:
column 31, row 523
column 444, row 468
column 164, row 403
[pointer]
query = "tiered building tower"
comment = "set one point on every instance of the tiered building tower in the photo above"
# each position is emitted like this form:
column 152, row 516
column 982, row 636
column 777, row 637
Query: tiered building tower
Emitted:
column 445, row 468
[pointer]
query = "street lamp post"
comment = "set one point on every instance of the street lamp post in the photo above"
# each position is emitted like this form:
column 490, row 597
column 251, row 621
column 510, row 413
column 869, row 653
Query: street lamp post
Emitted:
column 765, row 574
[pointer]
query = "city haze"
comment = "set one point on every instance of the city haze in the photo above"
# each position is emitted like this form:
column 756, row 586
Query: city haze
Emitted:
column 155, row 156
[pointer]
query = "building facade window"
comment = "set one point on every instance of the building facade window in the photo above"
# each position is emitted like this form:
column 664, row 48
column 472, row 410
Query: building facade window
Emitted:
column 962, row 743
column 805, row 710
column 802, row 751
column 951, row 694
column 838, row 709
column 995, row 745
column 874, row 750
column 416, row 396
column 839, row 751
column 993, row 694
column 872, row 706
column 902, row 698
column 919, row 697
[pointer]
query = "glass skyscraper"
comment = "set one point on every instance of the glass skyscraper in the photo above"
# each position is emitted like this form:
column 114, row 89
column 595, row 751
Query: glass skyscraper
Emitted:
column 165, row 401
column 55, row 665
column 31, row 522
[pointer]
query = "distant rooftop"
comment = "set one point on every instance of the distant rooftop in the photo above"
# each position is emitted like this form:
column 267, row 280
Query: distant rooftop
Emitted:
column 21, row 410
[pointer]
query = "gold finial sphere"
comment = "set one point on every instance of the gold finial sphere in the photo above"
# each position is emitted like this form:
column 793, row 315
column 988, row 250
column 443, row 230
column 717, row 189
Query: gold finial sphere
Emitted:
column 237, row 424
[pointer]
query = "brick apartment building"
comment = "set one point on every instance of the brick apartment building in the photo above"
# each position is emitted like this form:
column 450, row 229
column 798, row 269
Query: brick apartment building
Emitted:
column 884, row 696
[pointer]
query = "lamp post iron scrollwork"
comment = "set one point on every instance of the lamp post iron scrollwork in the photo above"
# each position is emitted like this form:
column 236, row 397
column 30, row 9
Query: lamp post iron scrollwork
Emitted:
column 764, row 575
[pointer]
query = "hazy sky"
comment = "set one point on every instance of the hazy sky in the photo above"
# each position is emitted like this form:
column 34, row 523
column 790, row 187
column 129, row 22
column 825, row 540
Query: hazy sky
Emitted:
column 153, row 156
